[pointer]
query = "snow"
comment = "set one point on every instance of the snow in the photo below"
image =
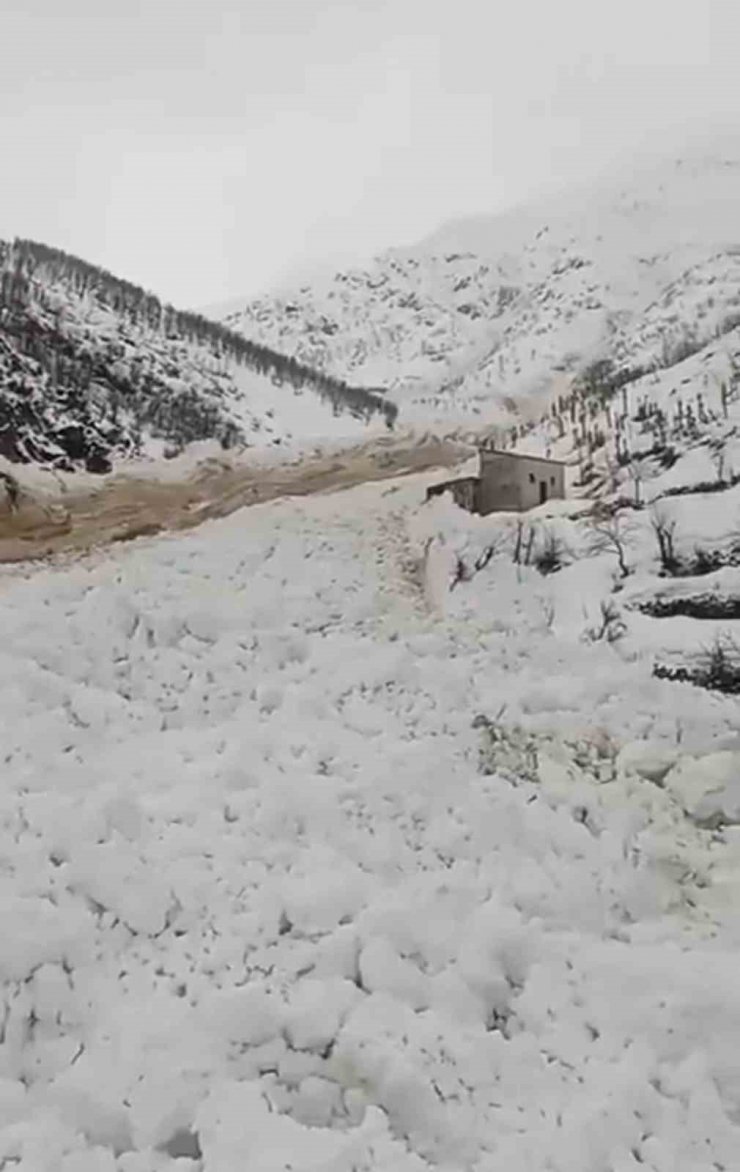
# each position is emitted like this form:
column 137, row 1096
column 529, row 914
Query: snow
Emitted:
column 313, row 862
column 500, row 308
column 173, row 387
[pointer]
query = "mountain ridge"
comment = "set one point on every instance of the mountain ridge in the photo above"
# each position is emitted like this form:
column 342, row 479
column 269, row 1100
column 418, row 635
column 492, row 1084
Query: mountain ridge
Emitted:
column 487, row 314
column 94, row 368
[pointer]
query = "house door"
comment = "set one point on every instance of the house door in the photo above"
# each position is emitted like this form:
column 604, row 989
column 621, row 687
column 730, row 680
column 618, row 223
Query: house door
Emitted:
column 543, row 491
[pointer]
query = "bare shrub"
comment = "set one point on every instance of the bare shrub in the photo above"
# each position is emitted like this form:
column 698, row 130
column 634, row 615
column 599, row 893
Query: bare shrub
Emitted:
column 462, row 573
column 664, row 528
column 719, row 663
column 489, row 551
column 718, row 453
column 706, row 561
column 550, row 555
column 611, row 626
column 610, row 535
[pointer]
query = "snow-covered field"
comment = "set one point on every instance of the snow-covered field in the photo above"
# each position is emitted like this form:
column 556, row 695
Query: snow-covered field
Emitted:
column 311, row 863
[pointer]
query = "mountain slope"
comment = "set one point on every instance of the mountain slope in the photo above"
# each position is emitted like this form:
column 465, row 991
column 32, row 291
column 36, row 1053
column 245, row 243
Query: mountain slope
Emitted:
column 93, row 368
column 492, row 309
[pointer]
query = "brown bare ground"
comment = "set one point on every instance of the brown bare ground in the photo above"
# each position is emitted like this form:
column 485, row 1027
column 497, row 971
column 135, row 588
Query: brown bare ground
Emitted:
column 124, row 507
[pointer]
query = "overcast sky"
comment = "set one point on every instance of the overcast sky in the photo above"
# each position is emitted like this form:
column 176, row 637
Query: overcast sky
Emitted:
column 204, row 148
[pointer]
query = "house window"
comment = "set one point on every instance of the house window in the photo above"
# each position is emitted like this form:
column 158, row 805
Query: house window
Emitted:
column 531, row 478
column 552, row 480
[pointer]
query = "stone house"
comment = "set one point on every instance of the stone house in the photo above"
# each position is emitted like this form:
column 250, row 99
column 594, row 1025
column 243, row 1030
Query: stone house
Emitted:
column 465, row 492
column 507, row 482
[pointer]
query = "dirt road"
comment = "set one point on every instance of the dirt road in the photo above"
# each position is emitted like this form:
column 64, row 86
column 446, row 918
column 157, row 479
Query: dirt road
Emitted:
column 124, row 507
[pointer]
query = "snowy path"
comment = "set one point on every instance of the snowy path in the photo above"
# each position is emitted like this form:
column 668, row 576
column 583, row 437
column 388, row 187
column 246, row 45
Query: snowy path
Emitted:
column 262, row 909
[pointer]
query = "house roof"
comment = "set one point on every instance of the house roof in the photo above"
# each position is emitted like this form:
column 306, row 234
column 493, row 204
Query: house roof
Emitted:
column 520, row 455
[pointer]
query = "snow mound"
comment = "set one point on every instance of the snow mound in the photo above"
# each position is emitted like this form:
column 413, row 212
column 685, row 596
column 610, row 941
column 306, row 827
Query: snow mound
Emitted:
column 302, row 872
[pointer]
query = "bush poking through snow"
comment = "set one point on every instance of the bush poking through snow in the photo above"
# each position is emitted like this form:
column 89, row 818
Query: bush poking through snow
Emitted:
column 486, row 555
column 510, row 752
column 717, row 668
column 464, row 573
column 549, row 557
column 720, row 663
column 611, row 627
column 706, row 561
column 664, row 528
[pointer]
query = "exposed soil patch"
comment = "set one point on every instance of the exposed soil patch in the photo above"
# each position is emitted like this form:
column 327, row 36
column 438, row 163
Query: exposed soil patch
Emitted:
column 126, row 507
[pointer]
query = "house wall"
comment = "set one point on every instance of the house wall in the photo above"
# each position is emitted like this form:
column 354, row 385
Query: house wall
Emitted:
column 512, row 482
column 464, row 492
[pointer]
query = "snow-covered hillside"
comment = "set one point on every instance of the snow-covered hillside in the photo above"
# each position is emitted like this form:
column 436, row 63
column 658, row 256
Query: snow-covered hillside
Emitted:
column 490, row 309
column 93, row 369
column 313, row 859
column 653, row 471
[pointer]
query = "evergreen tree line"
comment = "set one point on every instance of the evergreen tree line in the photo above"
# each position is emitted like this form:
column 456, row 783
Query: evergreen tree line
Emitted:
column 27, row 258
column 70, row 404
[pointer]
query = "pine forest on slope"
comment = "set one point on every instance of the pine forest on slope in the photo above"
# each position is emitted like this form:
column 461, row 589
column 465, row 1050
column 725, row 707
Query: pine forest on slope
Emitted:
column 94, row 368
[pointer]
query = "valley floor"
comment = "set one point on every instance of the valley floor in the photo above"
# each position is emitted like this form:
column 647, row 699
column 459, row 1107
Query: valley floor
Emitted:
column 304, row 868
column 57, row 517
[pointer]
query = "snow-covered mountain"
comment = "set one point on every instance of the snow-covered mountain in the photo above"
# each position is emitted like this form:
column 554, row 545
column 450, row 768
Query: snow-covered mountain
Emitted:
column 490, row 311
column 93, row 368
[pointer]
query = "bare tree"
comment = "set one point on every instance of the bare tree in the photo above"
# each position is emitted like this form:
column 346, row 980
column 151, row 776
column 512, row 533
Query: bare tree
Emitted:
column 637, row 476
column 718, row 452
column 518, row 542
column 611, row 535
column 532, row 533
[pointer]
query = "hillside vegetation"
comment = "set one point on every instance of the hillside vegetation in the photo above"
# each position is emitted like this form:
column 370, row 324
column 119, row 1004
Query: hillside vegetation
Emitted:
column 94, row 368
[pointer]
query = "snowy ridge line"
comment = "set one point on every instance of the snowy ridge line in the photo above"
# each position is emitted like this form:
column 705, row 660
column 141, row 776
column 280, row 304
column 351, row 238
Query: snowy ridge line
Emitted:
column 490, row 318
